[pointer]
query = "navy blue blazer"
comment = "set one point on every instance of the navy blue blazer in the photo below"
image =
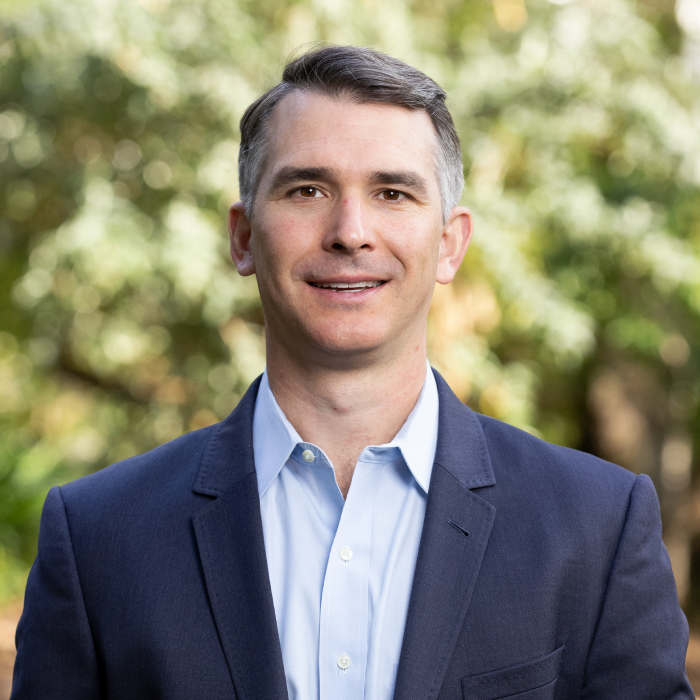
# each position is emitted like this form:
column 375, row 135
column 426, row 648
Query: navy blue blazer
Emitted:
column 541, row 574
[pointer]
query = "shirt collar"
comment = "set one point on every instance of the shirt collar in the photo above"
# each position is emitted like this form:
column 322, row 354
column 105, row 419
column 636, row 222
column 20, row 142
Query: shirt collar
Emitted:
column 274, row 437
column 417, row 438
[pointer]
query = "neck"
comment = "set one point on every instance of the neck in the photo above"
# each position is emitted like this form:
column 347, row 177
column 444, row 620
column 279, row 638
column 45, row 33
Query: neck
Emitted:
column 343, row 409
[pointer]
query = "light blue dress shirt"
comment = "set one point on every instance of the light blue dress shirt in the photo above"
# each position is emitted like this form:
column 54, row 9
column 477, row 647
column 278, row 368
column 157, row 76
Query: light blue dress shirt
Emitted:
column 341, row 570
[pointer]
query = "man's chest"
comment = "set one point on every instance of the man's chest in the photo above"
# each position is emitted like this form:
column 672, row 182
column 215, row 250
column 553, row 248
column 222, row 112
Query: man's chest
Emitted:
column 341, row 575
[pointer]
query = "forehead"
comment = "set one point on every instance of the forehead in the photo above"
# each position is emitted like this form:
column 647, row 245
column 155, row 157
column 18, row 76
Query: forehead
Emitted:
column 312, row 130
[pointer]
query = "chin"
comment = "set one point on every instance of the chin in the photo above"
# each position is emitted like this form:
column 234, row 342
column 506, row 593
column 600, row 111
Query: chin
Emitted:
column 346, row 347
column 349, row 342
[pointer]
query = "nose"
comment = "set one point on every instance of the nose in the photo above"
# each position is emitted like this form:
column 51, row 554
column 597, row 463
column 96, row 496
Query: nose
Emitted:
column 350, row 230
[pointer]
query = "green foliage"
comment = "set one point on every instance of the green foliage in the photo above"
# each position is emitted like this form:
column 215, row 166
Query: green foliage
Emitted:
column 123, row 321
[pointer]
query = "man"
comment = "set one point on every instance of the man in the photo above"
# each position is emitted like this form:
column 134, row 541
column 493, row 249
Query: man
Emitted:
column 352, row 530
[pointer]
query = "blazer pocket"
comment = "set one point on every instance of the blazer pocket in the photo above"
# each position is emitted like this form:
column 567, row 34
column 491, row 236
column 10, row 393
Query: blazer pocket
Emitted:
column 533, row 680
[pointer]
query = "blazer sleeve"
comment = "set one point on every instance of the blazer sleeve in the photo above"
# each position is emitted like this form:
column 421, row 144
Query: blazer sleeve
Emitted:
column 638, row 651
column 55, row 651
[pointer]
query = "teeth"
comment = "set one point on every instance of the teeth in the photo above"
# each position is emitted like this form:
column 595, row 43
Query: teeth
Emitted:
column 351, row 286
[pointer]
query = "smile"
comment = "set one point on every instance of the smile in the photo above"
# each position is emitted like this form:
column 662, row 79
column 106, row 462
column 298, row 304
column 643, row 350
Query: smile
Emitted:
column 345, row 287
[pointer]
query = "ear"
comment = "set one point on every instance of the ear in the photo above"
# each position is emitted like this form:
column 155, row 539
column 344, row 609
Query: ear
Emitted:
column 456, row 234
column 240, row 232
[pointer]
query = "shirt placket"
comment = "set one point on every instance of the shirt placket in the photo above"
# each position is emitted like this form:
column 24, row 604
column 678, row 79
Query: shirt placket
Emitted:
column 345, row 597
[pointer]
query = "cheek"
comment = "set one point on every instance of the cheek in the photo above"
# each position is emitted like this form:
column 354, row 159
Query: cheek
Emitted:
column 277, row 244
column 417, row 248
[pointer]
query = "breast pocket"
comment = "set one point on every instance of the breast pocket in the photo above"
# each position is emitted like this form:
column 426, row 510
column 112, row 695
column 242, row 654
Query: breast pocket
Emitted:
column 533, row 680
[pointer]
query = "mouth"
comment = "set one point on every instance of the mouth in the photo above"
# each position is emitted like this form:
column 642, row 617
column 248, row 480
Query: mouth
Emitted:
column 348, row 287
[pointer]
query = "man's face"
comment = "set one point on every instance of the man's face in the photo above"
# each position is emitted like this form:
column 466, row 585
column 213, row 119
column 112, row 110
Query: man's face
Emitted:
column 347, row 238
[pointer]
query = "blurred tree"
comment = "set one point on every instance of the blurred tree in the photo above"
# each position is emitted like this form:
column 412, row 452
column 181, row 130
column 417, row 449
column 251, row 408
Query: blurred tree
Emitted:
column 123, row 324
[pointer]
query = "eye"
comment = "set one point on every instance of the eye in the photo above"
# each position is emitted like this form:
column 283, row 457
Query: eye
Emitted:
column 309, row 192
column 392, row 195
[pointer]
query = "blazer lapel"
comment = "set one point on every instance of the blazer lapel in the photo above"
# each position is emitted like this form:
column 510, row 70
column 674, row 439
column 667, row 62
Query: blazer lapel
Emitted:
column 229, row 536
column 455, row 533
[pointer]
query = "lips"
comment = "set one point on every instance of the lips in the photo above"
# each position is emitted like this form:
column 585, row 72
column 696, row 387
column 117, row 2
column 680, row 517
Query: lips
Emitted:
column 345, row 287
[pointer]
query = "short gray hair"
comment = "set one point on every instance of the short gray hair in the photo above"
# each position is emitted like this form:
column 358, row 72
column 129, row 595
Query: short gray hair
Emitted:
column 364, row 76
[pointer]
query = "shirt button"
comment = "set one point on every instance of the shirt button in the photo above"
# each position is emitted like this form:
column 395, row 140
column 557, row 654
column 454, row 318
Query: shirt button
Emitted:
column 346, row 555
column 308, row 455
column 344, row 661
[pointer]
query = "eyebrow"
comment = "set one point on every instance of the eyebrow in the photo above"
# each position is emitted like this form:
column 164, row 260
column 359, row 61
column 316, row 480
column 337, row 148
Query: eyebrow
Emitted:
column 290, row 175
column 402, row 178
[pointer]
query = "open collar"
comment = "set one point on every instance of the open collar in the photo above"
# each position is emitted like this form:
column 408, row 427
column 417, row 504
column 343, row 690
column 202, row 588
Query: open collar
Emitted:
column 461, row 445
column 274, row 437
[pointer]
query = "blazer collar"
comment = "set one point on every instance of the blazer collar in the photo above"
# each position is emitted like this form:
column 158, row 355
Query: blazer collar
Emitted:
column 461, row 447
column 455, row 535
column 229, row 535
column 228, row 458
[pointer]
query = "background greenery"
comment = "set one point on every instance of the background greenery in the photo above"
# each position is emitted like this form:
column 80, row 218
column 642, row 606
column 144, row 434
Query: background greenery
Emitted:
column 123, row 323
